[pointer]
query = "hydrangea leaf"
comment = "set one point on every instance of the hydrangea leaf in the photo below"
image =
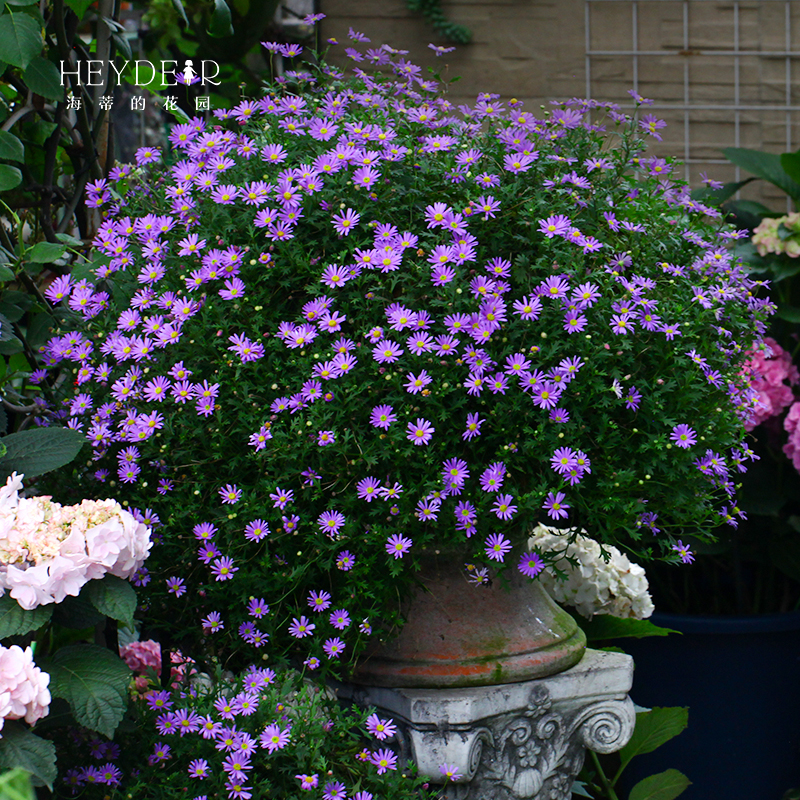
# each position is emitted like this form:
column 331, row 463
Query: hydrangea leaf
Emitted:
column 603, row 627
column 653, row 728
column 6, row 329
column 15, row 620
column 94, row 682
column 113, row 597
column 663, row 786
column 77, row 613
column 38, row 451
column 19, row 748
column 11, row 346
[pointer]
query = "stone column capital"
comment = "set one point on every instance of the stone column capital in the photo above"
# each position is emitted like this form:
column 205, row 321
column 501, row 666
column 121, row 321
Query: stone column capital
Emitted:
column 514, row 741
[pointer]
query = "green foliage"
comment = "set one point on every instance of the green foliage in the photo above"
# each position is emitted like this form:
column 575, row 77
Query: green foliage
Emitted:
column 663, row 786
column 221, row 23
column 21, row 38
column 39, row 451
column 10, row 177
column 790, row 163
column 93, row 681
column 603, row 627
column 113, row 597
column 15, row 620
column 21, row 749
column 43, row 78
column 228, row 33
column 15, row 784
column 765, row 165
column 654, row 728
column 45, row 253
column 11, row 148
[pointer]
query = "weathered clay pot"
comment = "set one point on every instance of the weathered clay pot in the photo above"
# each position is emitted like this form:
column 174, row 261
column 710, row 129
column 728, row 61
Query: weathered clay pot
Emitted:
column 459, row 634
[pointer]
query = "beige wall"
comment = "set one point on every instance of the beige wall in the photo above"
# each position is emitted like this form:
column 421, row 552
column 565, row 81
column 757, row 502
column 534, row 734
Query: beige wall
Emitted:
column 520, row 48
column 535, row 50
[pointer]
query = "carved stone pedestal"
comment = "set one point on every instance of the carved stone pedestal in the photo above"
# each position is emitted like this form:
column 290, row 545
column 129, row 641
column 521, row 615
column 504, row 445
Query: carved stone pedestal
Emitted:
column 514, row 740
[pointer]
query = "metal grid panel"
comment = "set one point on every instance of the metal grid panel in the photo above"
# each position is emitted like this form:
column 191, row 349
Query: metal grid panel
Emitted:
column 708, row 122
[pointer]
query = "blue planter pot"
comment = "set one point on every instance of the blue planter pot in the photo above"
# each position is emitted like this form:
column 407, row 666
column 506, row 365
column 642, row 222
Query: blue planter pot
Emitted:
column 740, row 678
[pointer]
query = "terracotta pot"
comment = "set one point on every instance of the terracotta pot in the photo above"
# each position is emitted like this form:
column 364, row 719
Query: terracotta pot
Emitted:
column 459, row 634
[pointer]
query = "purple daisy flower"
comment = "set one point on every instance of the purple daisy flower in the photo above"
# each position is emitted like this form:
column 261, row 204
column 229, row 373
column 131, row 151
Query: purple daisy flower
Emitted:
column 319, row 601
column 176, row 586
column 331, row 522
column 555, row 506
column 345, row 222
column 367, row 488
column 380, row 728
column 230, row 493
column 683, row 436
column 420, row 431
column 530, row 564
column 256, row 530
column 300, row 628
column 497, row 547
column 223, row 569
column 325, row 438
column 504, row 507
column 473, row 428
column 345, row 561
column 684, row 552
column 386, row 352
column 397, row 546
column 213, row 622
column 333, row 647
column 340, row 619
column 257, row 608
column 274, row 738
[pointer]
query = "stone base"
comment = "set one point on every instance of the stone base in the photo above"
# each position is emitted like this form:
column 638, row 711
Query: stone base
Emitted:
column 514, row 740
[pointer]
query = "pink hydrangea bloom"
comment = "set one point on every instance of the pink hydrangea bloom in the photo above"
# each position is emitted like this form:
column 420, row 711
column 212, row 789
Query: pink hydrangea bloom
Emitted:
column 142, row 655
column 49, row 551
column 770, row 370
column 23, row 686
column 791, row 424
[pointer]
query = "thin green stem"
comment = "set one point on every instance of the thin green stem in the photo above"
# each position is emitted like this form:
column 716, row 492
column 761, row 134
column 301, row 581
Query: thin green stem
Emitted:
column 608, row 786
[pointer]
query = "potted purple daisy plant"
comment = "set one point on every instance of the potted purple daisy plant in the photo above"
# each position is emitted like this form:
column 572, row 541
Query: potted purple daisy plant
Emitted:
column 348, row 324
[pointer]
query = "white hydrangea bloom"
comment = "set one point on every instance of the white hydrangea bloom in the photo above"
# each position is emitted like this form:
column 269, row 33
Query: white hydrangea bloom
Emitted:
column 49, row 551
column 617, row 587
